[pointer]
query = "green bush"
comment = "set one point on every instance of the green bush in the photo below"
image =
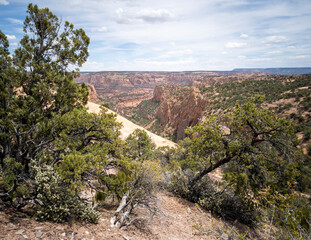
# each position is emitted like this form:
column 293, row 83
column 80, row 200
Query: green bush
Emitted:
column 229, row 206
column 56, row 202
column 222, row 202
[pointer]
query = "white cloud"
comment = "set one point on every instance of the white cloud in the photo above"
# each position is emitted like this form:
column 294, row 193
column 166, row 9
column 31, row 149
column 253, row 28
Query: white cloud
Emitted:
column 241, row 57
column 4, row 2
column 244, row 36
column 261, row 59
column 273, row 52
column 146, row 15
column 173, row 44
column 152, row 16
column 235, row 44
column 14, row 20
column 121, row 18
column 102, row 29
column 275, row 39
column 11, row 37
column 218, row 32
column 291, row 47
column 299, row 57
column 178, row 53
column 93, row 66
column 179, row 64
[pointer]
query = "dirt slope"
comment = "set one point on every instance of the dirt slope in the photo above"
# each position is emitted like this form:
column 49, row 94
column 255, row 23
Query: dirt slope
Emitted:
column 129, row 127
column 174, row 223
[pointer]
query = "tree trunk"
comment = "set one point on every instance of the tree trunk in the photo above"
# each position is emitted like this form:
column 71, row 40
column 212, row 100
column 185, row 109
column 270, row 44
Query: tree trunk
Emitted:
column 200, row 175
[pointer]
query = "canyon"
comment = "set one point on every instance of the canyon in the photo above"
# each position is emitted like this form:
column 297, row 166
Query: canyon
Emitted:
column 166, row 103
column 128, row 89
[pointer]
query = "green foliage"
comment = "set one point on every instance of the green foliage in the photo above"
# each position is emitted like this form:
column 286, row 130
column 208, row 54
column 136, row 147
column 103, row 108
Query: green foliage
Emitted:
column 56, row 203
column 256, row 147
column 273, row 87
column 255, row 150
column 229, row 206
column 44, row 121
column 139, row 146
column 117, row 183
column 220, row 200
column 146, row 178
column 143, row 114
column 288, row 214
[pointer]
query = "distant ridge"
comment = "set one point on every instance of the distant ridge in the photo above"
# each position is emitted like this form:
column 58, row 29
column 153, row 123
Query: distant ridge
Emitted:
column 281, row 71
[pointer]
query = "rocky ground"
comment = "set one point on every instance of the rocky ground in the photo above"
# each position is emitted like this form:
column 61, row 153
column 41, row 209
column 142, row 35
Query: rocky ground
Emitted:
column 175, row 222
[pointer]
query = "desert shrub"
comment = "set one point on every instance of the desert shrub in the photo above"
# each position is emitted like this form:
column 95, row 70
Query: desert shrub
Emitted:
column 303, row 183
column 179, row 185
column 307, row 134
column 290, row 216
column 220, row 201
column 229, row 206
column 115, row 184
column 146, row 178
column 56, row 202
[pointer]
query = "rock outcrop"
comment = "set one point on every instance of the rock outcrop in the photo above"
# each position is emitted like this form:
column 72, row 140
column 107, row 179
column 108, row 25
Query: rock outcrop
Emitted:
column 93, row 97
column 180, row 107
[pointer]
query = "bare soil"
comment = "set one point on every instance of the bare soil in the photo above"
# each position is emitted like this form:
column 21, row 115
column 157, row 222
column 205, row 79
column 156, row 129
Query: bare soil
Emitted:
column 175, row 222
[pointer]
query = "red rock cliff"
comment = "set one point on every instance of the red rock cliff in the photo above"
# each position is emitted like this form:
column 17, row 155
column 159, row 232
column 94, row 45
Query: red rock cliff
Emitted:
column 179, row 108
column 93, row 97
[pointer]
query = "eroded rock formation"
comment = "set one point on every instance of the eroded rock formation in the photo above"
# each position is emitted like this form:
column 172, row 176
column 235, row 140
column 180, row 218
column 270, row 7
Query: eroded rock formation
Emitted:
column 93, row 97
column 179, row 107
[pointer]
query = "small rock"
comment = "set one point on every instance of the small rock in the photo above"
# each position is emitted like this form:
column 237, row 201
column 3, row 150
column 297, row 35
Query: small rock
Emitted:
column 39, row 234
column 86, row 232
column 63, row 234
column 20, row 231
column 188, row 210
column 25, row 236
column 59, row 228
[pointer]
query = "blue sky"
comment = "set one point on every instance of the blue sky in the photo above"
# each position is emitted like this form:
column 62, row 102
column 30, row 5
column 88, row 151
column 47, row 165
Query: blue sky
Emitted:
column 180, row 35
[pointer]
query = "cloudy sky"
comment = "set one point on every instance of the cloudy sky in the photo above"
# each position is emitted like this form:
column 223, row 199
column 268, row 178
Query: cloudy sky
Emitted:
column 178, row 35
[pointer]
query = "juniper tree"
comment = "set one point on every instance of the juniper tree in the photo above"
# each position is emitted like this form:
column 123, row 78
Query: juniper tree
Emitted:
column 43, row 118
column 254, row 146
column 140, row 146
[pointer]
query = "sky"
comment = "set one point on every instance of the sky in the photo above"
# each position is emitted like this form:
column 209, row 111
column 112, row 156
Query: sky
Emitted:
column 180, row 35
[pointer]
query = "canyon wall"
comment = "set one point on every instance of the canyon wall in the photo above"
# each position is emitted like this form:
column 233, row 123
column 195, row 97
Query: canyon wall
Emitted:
column 179, row 108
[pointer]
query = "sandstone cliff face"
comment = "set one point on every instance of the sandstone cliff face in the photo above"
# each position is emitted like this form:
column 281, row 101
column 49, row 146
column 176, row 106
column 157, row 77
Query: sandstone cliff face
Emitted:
column 179, row 108
column 93, row 97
